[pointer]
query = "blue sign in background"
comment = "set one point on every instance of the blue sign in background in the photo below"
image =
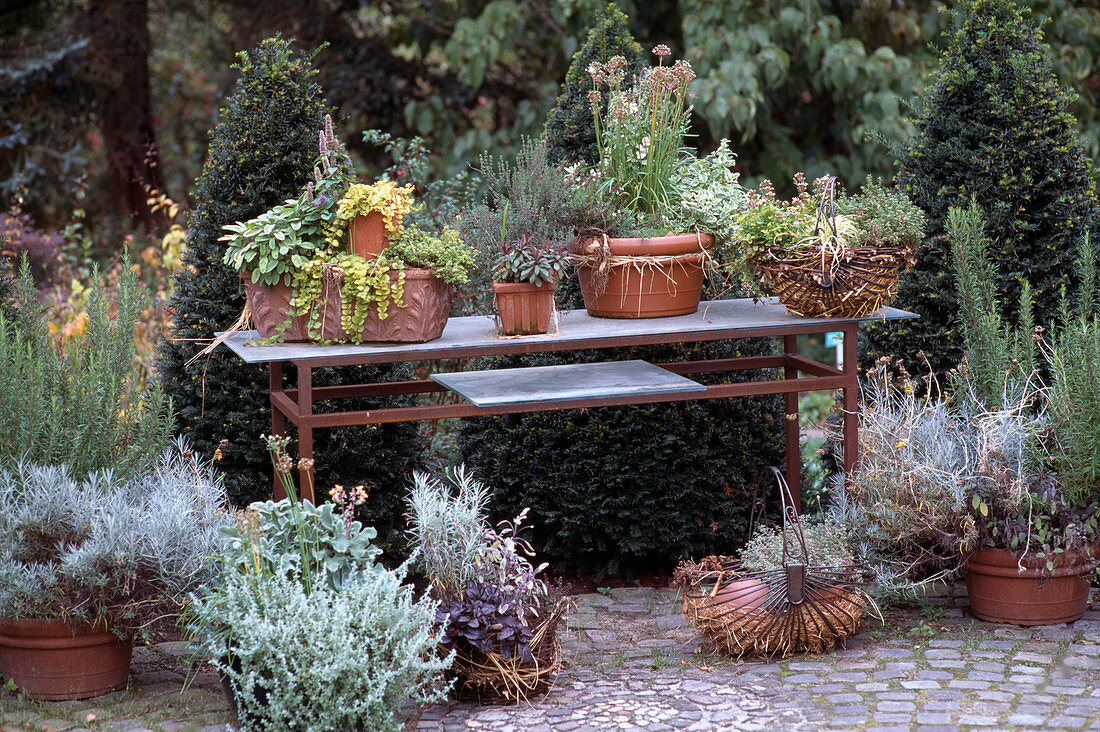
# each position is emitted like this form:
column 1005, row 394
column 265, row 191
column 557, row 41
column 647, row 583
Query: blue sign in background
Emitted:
column 834, row 339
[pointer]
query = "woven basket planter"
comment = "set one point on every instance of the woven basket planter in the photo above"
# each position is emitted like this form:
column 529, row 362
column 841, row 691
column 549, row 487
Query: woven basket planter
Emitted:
column 492, row 678
column 856, row 283
column 752, row 622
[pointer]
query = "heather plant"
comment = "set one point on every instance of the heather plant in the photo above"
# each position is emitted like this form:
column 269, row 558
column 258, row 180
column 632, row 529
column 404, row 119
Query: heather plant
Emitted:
column 103, row 548
column 83, row 403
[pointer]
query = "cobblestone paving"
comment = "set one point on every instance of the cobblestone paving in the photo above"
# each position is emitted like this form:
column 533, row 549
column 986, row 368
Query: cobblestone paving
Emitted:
column 631, row 663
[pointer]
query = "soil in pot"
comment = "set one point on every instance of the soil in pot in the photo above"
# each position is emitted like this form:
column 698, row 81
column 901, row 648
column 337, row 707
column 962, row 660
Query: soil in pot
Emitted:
column 53, row 660
column 641, row 278
column 1000, row 593
column 523, row 308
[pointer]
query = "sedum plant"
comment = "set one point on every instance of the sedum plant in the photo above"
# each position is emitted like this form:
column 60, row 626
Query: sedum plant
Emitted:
column 528, row 260
column 106, row 549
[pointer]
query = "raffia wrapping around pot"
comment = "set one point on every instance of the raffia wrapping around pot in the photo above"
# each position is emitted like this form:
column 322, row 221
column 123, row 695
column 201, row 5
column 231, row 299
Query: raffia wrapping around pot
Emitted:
column 488, row 678
column 765, row 625
column 823, row 277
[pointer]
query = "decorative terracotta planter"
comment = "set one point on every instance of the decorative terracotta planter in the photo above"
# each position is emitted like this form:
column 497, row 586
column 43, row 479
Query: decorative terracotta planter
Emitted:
column 1000, row 593
column 270, row 308
column 427, row 303
column 51, row 659
column 523, row 308
column 645, row 278
column 367, row 235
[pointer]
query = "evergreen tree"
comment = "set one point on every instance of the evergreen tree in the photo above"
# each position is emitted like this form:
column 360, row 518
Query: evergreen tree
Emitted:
column 262, row 152
column 994, row 124
column 570, row 128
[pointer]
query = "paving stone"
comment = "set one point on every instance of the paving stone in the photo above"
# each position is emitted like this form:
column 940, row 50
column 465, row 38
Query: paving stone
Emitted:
column 921, row 684
column 896, row 706
column 1067, row 722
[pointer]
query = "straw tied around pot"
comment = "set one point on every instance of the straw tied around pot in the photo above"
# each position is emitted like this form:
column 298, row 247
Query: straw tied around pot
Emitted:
column 829, row 254
column 775, row 600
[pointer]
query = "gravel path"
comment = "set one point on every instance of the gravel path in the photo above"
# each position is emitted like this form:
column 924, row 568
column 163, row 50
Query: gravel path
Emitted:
column 631, row 663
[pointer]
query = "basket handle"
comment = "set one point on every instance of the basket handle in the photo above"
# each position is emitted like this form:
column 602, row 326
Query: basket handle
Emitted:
column 790, row 516
column 826, row 216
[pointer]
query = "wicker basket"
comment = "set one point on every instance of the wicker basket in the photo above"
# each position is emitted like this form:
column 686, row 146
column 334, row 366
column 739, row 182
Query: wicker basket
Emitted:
column 769, row 627
column 855, row 284
column 492, row 678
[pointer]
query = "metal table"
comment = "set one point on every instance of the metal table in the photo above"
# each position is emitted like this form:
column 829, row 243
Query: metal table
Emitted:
column 510, row 391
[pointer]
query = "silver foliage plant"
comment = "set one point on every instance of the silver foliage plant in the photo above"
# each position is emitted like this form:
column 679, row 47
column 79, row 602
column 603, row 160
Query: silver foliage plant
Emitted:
column 105, row 549
column 327, row 660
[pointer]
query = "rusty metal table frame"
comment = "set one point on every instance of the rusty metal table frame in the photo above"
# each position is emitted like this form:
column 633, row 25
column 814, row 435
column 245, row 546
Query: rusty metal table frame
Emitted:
column 474, row 336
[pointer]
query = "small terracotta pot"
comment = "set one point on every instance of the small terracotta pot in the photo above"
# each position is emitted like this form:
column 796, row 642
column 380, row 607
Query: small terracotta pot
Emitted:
column 1000, row 593
column 367, row 235
column 54, row 660
column 270, row 308
column 645, row 278
column 523, row 308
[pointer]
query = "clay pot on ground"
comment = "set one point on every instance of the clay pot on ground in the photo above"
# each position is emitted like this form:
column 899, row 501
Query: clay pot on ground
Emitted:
column 55, row 660
column 270, row 308
column 743, row 595
column 641, row 278
column 523, row 308
column 367, row 235
column 1001, row 593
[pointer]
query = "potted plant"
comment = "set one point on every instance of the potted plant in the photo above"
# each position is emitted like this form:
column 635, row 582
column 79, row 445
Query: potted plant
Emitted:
column 827, row 253
column 372, row 216
column 525, row 275
column 637, row 190
column 304, row 623
column 495, row 615
column 519, row 230
column 403, row 294
column 86, row 564
column 268, row 250
column 303, row 282
column 976, row 485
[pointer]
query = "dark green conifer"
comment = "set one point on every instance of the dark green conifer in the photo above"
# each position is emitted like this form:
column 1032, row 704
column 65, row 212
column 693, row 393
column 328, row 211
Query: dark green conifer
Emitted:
column 262, row 152
column 570, row 134
column 994, row 124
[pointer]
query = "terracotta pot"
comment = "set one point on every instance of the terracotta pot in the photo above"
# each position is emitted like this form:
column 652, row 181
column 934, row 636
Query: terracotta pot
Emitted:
column 646, row 278
column 51, row 659
column 523, row 308
column 367, row 235
column 427, row 303
column 1000, row 593
column 744, row 595
column 270, row 308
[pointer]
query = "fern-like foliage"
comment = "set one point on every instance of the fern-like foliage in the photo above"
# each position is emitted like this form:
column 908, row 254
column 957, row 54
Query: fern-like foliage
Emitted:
column 84, row 404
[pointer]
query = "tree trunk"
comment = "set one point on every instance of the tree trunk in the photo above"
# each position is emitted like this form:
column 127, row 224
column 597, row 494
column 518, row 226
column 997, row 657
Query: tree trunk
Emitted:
column 118, row 31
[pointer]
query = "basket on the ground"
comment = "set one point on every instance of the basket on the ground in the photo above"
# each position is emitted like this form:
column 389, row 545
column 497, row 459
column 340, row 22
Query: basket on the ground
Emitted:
column 796, row 608
column 491, row 677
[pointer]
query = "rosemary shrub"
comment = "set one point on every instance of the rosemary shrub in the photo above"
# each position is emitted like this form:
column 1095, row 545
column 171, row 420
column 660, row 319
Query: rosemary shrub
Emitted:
column 85, row 404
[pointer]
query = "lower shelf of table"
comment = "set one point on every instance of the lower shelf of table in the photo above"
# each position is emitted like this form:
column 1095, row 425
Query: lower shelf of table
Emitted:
column 534, row 385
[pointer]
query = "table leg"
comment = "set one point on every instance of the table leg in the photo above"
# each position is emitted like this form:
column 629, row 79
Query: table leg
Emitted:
column 790, row 410
column 278, row 421
column 851, row 401
column 305, row 434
